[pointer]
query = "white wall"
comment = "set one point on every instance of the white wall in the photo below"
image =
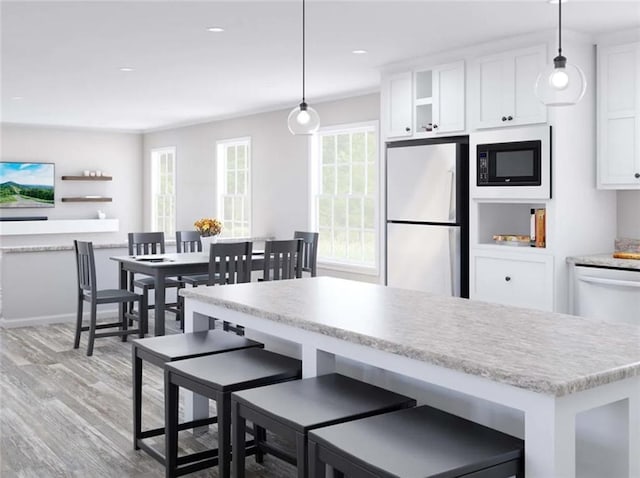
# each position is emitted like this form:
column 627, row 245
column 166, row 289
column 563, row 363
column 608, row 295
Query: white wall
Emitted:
column 629, row 214
column 72, row 151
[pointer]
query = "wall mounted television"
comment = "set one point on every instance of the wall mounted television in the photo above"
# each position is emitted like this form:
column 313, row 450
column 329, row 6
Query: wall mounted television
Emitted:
column 26, row 185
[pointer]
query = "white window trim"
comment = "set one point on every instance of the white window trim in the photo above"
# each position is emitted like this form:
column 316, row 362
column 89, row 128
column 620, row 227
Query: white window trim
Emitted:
column 152, row 215
column 220, row 180
column 313, row 190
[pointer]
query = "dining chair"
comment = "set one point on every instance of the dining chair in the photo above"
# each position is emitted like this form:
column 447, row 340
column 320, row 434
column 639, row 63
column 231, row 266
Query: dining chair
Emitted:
column 189, row 241
column 88, row 291
column 229, row 263
column 282, row 259
column 149, row 243
column 309, row 250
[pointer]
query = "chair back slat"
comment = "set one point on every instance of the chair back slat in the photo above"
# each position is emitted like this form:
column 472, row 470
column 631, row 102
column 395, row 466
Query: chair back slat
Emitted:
column 188, row 241
column 282, row 259
column 145, row 243
column 309, row 250
column 230, row 263
column 86, row 267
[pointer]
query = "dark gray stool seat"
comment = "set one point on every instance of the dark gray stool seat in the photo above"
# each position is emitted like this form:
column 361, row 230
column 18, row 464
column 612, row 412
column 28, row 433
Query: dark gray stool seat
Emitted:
column 169, row 348
column 292, row 409
column 421, row 442
column 216, row 377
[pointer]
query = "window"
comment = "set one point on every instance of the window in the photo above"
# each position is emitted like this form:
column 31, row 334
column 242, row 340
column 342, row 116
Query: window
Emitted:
column 344, row 188
column 234, row 186
column 163, row 191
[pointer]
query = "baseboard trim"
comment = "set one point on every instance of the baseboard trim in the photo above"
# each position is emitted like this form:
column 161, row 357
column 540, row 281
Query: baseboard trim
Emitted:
column 51, row 319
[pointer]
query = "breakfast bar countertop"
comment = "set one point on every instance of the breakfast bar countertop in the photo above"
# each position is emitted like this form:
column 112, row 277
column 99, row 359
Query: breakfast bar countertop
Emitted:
column 544, row 352
column 604, row 260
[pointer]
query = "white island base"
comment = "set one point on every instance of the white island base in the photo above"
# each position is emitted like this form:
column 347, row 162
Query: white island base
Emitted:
column 451, row 344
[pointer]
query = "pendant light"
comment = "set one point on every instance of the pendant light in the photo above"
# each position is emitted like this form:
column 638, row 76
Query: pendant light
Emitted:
column 303, row 119
column 561, row 83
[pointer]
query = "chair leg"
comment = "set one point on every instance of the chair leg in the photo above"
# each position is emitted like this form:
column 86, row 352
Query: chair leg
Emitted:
column 92, row 328
column 76, row 342
column 124, row 326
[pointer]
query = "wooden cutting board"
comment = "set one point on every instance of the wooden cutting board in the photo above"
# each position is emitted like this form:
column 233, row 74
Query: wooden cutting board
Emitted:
column 627, row 255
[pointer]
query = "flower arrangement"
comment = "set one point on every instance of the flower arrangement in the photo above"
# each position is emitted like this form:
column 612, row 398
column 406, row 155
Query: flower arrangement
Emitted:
column 208, row 226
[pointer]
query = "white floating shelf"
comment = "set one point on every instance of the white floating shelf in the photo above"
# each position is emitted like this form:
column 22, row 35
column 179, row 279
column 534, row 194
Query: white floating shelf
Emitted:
column 58, row 226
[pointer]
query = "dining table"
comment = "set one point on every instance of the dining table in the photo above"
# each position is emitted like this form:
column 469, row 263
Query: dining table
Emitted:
column 544, row 368
column 162, row 266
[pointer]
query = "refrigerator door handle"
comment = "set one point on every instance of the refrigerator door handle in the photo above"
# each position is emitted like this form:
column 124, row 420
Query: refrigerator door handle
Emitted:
column 452, row 194
column 454, row 255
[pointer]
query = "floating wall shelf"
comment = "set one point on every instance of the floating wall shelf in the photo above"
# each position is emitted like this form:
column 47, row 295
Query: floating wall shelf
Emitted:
column 58, row 226
column 87, row 178
column 87, row 199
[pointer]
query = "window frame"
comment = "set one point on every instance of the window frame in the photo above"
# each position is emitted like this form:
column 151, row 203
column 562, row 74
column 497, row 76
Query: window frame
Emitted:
column 154, row 184
column 221, row 146
column 315, row 144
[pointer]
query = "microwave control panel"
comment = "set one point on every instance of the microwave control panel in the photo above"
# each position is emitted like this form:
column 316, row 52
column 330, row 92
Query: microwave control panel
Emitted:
column 483, row 168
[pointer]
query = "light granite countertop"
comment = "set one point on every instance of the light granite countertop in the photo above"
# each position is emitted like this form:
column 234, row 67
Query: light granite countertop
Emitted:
column 604, row 260
column 549, row 353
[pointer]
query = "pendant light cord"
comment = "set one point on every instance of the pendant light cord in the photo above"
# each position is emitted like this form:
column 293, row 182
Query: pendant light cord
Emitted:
column 303, row 49
column 559, row 27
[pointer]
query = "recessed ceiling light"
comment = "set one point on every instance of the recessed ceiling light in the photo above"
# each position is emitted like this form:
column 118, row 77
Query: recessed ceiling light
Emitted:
column 215, row 29
column 126, row 69
column 359, row 52
column 17, row 98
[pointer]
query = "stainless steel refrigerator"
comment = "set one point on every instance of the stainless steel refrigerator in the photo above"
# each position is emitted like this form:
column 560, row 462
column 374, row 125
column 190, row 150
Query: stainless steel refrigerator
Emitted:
column 427, row 215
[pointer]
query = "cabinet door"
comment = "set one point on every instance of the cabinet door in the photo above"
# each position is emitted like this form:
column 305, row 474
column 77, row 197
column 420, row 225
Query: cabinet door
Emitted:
column 490, row 74
column 505, row 88
column 518, row 279
column 527, row 108
column 619, row 117
column 399, row 105
column 448, row 98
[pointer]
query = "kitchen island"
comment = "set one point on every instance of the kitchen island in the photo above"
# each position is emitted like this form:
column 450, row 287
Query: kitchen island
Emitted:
column 549, row 366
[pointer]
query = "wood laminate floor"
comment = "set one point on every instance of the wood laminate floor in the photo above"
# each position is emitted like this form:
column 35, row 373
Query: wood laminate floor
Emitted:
column 63, row 414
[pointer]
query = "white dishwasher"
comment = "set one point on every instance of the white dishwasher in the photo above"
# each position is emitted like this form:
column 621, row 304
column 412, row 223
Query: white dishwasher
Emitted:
column 607, row 293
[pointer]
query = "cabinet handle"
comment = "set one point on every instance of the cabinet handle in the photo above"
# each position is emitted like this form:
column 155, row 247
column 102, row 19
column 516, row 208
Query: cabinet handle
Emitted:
column 613, row 282
column 637, row 175
column 509, row 118
column 407, row 129
column 435, row 126
column 504, row 118
column 507, row 278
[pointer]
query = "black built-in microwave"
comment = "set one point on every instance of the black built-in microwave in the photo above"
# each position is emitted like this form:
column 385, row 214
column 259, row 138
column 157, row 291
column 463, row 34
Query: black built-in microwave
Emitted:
column 517, row 163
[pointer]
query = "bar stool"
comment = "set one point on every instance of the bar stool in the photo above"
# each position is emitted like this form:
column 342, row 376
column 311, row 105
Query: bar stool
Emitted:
column 292, row 409
column 169, row 348
column 215, row 377
column 419, row 442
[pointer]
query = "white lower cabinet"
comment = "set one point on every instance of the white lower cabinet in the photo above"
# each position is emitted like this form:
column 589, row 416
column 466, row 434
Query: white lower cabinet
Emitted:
column 512, row 278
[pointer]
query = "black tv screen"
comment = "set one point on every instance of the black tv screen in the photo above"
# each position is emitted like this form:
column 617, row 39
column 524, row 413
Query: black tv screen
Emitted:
column 24, row 185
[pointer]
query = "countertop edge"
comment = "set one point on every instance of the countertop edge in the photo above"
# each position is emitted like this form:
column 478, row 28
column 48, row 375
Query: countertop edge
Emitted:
column 603, row 260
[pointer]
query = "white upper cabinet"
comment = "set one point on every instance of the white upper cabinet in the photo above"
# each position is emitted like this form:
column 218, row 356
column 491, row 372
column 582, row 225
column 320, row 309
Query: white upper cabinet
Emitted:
column 619, row 116
column 425, row 102
column 503, row 86
column 439, row 99
column 397, row 106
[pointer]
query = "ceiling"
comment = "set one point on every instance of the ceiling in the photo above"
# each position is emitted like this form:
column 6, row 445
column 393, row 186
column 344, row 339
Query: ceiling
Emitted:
column 61, row 60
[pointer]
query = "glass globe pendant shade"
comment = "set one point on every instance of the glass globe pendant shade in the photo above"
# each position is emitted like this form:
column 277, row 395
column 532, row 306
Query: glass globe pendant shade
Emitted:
column 303, row 120
column 560, row 84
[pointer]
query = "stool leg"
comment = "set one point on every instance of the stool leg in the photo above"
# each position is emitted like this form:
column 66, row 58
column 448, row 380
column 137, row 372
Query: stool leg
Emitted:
column 143, row 317
column 137, row 398
column 238, row 447
column 223, row 407
column 124, row 327
column 301, row 455
column 316, row 468
column 259, row 437
column 171, row 397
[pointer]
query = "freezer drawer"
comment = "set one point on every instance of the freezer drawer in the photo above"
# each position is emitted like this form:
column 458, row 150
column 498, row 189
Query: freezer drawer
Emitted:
column 607, row 294
column 421, row 183
column 423, row 257
column 521, row 280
